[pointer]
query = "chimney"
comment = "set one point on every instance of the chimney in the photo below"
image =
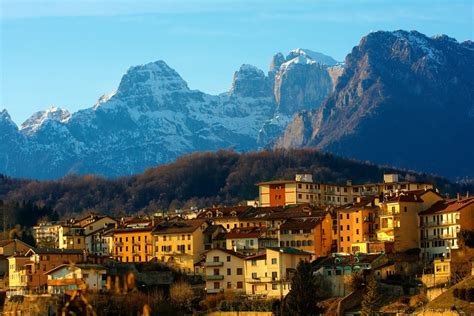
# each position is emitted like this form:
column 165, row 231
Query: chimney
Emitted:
column 459, row 196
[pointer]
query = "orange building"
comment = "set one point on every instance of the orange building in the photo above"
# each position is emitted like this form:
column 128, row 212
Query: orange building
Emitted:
column 133, row 242
column 311, row 234
column 356, row 223
column 287, row 192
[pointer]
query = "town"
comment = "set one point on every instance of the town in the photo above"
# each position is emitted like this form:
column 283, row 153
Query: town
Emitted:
column 413, row 240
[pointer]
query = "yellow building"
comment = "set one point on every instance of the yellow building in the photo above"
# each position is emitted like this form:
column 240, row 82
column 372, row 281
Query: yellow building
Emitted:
column 269, row 274
column 133, row 242
column 71, row 237
column 180, row 243
column 356, row 223
column 224, row 270
column 399, row 217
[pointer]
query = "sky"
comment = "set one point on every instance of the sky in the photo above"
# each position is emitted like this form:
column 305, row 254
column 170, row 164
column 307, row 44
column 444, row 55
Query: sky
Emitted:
column 68, row 53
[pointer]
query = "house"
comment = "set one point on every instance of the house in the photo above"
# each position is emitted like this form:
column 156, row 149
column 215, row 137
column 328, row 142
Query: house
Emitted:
column 224, row 270
column 287, row 192
column 26, row 271
column 71, row 236
column 133, row 241
column 180, row 243
column 336, row 268
column 9, row 248
column 440, row 225
column 269, row 274
column 227, row 216
column 95, row 226
column 210, row 234
column 67, row 278
column 242, row 240
column 46, row 234
column 310, row 234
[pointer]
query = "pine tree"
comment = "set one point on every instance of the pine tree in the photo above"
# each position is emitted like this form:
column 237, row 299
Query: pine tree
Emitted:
column 303, row 296
column 372, row 297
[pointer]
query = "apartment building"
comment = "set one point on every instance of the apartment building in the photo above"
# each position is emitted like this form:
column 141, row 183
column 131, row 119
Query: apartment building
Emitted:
column 227, row 216
column 356, row 223
column 180, row 243
column 269, row 274
column 399, row 217
column 310, row 234
column 243, row 240
column 71, row 236
column 133, row 241
column 9, row 247
column 46, row 234
column 224, row 270
column 440, row 225
column 304, row 190
column 27, row 271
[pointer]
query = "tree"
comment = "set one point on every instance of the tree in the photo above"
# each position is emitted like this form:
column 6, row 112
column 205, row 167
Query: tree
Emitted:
column 306, row 290
column 182, row 295
column 371, row 301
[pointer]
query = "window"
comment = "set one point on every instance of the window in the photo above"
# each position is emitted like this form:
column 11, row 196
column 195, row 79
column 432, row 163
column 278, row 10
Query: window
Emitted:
column 216, row 271
column 341, row 228
column 348, row 227
column 216, row 285
column 164, row 238
column 254, row 262
column 189, row 237
column 254, row 275
column 189, row 247
column 357, row 231
column 274, row 275
column 229, row 285
column 215, row 259
column 300, row 196
column 347, row 216
column 229, row 271
column 405, row 209
column 348, row 238
column 228, row 258
column 274, row 287
column 240, row 285
column 239, row 271
column 274, row 260
column 357, row 220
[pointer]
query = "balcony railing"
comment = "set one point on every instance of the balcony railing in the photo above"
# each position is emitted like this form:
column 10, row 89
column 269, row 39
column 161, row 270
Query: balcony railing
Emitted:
column 213, row 264
column 214, row 291
column 214, row 277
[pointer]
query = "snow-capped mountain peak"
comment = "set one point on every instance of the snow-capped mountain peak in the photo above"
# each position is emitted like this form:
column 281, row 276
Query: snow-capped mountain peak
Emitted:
column 39, row 119
column 315, row 56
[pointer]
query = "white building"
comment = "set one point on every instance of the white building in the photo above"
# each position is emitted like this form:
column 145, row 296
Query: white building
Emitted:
column 69, row 277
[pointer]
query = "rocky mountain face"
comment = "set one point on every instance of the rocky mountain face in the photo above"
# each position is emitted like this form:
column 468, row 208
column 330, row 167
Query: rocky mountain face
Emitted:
column 403, row 99
column 154, row 117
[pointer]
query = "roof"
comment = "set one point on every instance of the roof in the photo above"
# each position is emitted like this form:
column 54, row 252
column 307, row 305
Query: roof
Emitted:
column 212, row 229
column 224, row 211
column 408, row 196
column 448, row 206
column 304, row 223
column 178, row 227
column 343, row 260
column 244, row 232
column 7, row 242
column 227, row 251
column 282, row 212
column 260, row 256
column 41, row 251
column 290, row 250
column 281, row 181
column 82, row 266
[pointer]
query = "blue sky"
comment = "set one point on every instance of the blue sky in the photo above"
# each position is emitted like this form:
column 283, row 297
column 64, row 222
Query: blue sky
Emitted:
column 69, row 52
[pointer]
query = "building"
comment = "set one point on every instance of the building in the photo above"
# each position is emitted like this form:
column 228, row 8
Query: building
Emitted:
column 71, row 236
column 356, row 223
column 224, row 270
column 310, row 234
column 398, row 217
column 211, row 233
column 243, row 240
column 303, row 190
column 336, row 268
column 9, row 247
column 46, row 234
column 27, row 271
column 269, row 274
column 133, row 241
column 226, row 216
column 287, row 192
column 180, row 243
column 67, row 278
column 440, row 225
column 95, row 227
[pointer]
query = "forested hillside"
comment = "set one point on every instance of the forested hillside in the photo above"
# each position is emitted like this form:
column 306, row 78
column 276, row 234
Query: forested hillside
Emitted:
column 199, row 180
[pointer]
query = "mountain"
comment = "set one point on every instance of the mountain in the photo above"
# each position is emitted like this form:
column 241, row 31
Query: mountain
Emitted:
column 403, row 99
column 154, row 117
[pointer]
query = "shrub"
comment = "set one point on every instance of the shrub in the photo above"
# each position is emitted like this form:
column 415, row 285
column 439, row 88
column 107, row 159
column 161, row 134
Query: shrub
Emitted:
column 182, row 295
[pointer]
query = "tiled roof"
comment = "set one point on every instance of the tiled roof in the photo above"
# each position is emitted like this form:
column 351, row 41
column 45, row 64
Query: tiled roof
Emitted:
column 244, row 232
column 281, row 181
column 448, row 206
column 305, row 223
column 290, row 250
column 45, row 251
column 405, row 197
column 228, row 251
column 224, row 211
column 178, row 227
column 260, row 256
column 282, row 212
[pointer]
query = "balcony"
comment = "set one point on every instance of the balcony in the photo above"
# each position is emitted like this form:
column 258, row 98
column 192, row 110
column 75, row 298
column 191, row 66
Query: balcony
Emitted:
column 214, row 291
column 213, row 264
column 214, row 277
